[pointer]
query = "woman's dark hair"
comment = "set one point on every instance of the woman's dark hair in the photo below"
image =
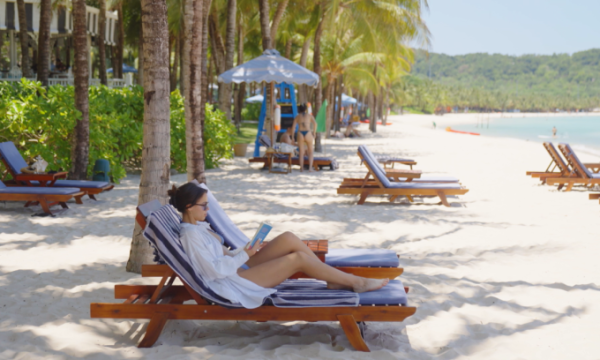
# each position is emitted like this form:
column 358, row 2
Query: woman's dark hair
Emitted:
column 302, row 108
column 185, row 196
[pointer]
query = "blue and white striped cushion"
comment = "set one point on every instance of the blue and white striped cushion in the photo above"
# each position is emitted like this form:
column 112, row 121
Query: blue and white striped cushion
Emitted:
column 163, row 233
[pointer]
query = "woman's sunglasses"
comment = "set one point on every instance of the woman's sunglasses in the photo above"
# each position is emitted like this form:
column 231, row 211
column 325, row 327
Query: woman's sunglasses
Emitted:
column 203, row 206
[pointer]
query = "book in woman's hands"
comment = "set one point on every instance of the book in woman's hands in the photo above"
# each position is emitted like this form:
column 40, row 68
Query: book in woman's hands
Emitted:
column 261, row 234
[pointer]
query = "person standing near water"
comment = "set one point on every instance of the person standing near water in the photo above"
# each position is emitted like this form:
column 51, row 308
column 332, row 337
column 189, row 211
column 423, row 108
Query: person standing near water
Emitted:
column 554, row 131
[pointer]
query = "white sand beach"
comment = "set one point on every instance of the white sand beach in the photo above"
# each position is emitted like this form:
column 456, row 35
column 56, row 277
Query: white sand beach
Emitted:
column 509, row 271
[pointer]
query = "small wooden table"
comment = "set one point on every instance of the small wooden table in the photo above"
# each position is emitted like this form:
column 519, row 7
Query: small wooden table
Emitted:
column 319, row 247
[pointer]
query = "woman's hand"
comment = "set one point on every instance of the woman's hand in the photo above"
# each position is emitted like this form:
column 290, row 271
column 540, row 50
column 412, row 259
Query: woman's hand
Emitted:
column 251, row 251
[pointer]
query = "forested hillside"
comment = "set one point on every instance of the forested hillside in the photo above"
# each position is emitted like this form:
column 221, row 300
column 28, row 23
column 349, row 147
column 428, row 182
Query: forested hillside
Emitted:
column 501, row 82
column 561, row 74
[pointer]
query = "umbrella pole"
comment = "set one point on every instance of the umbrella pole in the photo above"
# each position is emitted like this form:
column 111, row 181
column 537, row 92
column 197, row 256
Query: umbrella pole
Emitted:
column 270, row 104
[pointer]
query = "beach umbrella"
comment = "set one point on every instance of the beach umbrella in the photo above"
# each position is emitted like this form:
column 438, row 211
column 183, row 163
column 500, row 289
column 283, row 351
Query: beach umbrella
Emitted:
column 271, row 68
column 255, row 99
column 126, row 69
column 348, row 100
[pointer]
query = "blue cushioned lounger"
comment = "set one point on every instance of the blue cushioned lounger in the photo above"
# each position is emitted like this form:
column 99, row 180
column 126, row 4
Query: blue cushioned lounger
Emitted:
column 295, row 300
column 381, row 185
column 15, row 162
column 46, row 197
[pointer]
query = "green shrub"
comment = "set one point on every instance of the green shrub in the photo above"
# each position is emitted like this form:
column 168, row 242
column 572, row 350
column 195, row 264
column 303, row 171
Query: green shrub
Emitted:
column 41, row 121
column 251, row 111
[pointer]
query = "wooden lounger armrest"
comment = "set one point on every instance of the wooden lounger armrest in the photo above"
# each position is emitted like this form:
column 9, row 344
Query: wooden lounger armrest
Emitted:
column 400, row 173
column 42, row 178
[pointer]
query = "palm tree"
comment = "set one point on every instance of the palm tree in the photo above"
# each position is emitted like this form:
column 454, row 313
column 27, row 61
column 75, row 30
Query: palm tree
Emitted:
column 156, row 159
column 24, row 37
column 43, row 63
column 101, row 46
column 81, row 142
column 194, row 105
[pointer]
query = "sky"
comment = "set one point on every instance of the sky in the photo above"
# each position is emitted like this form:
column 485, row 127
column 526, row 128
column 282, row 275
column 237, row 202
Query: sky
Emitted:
column 513, row 27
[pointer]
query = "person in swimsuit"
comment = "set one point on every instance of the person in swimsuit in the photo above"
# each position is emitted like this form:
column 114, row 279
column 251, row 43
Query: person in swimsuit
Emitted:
column 276, row 261
column 306, row 136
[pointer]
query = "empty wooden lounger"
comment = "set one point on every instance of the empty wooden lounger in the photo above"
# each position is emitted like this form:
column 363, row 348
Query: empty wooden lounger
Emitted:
column 46, row 197
column 381, row 185
column 14, row 162
column 319, row 162
column 295, row 300
column 579, row 175
column 370, row 263
column 401, row 175
column 557, row 162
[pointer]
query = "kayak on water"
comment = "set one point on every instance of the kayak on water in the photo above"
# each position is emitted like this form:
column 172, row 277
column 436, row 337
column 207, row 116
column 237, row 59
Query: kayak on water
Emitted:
column 449, row 129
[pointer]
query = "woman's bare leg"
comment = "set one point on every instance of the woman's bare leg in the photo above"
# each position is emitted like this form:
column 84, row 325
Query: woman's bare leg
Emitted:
column 283, row 244
column 308, row 139
column 274, row 272
column 301, row 150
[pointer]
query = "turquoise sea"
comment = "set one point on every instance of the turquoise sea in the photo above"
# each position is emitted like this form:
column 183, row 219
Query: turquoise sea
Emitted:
column 582, row 132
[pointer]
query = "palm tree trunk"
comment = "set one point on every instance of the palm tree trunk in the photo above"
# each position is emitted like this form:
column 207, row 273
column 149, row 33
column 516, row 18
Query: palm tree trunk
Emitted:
column 205, row 70
column 225, row 96
column 24, row 38
column 81, row 135
column 118, row 66
column 303, row 58
column 43, row 64
column 338, row 111
column 317, row 70
column 329, row 94
column 181, row 67
column 101, row 45
column 370, row 107
column 242, row 87
column 263, row 6
column 281, row 6
column 192, row 60
column 156, row 158
column 288, row 48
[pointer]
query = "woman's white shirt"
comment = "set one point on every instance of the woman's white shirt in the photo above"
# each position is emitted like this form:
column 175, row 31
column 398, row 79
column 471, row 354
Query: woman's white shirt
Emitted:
column 220, row 271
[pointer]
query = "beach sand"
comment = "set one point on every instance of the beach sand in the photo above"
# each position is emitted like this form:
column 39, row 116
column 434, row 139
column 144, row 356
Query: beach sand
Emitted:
column 509, row 271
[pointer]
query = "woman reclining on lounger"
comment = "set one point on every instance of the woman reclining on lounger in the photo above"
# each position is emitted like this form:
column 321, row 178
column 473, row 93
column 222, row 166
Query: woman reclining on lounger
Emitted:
column 275, row 262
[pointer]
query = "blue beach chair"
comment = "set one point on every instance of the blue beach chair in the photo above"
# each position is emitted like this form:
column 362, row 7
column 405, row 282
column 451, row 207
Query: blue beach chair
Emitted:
column 14, row 162
column 295, row 300
column 381, row 184
column 46, row 197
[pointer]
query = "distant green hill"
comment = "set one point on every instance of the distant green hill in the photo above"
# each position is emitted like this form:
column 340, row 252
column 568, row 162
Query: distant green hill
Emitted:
column 574, row 76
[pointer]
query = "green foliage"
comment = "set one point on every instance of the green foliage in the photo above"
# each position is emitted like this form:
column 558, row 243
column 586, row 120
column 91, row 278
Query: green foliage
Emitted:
column 247, row 133
column 529, row 82
column 41, row 122
column 251, row 111
column 219, row 135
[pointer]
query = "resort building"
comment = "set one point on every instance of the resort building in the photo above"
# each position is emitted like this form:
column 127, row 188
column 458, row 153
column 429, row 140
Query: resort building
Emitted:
column 61, row 46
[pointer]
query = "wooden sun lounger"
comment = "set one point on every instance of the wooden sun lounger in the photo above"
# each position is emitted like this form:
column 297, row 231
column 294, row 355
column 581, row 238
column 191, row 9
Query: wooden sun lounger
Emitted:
column 45, row 180
column 45, row 200
column 319, row 247
column 579, row 174
column 163, row 302
column 318, row 164
column 375, row 186
column 558, row 162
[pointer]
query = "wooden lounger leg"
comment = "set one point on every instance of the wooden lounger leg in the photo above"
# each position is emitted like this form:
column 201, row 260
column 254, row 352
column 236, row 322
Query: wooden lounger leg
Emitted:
column 352, row 331
column 363, row 197
column 63, row 205
column 45, row 206
column 410, row 199
column 443, row 198
column 78, row 199
column 157, row 323
column 91, row 196
column 569, row 186
column 393, row 197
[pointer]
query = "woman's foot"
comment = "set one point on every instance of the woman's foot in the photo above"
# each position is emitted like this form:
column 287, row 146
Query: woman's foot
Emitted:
column 370, row 285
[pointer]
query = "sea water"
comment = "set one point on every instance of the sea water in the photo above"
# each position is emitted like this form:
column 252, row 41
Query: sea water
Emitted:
column 582, row 132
